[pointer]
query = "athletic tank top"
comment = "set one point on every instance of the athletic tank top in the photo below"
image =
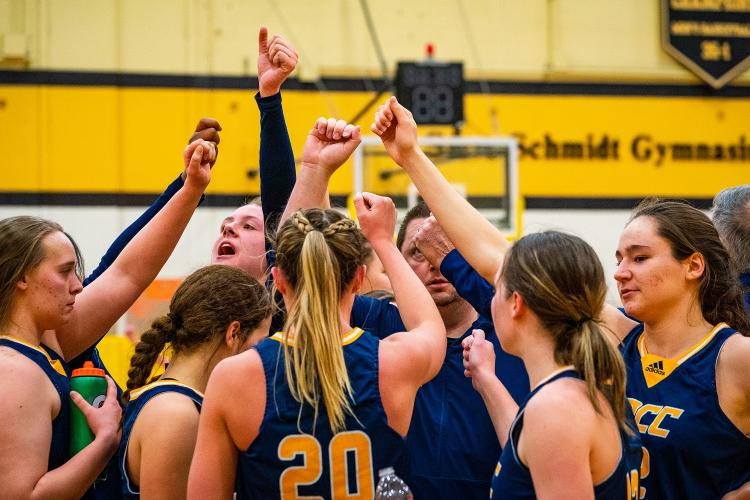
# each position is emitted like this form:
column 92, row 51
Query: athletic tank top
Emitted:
column 295, row 455
column 512, row 479
column 57, row 372
column 138, row 400
column 691, row 448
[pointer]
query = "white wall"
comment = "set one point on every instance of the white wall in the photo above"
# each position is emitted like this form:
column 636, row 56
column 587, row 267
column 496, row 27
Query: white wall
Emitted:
column 94, row 228
column 600, row 228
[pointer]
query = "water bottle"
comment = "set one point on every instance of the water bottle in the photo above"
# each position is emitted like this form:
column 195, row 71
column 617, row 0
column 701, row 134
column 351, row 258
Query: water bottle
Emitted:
column 90, row 383
column 391, row 487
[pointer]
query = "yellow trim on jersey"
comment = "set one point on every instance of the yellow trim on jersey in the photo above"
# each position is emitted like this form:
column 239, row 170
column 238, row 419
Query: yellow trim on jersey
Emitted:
column 690, row 352
column 55, row 363
column 138, row 392
column 348, row 338
column 553, row 374
column 657, row 368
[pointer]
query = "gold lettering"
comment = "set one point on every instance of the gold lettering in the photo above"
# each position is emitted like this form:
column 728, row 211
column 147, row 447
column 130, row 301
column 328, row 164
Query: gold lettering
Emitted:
column 654, row 428
column 712, row 50
column 710, row 29
column 642, row 411
column 712, row 5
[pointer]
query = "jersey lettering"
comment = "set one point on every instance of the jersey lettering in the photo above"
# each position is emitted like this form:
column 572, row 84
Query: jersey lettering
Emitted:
column 307, row 473
column 631, row 478
column 660, row 413
column 342, row 444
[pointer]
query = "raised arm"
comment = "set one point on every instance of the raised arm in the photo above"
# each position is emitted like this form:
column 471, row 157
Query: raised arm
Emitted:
column 479, row 364
column 276, row 61
column 329, row 144
column 102, row 302
column 230, row 420
column 433, row 243
column 476, row 238
column 422, row 347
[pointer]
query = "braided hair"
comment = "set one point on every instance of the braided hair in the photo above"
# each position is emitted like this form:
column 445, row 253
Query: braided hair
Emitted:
column 319, row 252
column 201, row 310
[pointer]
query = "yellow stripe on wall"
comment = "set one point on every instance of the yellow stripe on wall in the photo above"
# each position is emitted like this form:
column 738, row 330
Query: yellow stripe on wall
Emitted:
column 130, row 140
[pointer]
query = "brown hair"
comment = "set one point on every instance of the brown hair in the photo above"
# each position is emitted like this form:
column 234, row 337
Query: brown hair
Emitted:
column 200, row 312
column 319, row 252
column 561, row 280
column 418, row 211
column 21, row 250
column 689, row 231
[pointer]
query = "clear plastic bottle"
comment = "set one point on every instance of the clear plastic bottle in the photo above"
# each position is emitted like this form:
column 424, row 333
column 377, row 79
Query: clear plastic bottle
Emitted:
column 391, row 487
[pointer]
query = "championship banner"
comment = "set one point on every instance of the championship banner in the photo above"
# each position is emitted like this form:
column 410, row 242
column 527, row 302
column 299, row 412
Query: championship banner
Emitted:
column 710, row 37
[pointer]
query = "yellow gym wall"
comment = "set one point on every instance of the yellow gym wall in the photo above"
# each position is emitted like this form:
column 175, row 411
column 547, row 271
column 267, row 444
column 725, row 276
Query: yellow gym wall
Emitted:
column 129, row 139
column 99, row 137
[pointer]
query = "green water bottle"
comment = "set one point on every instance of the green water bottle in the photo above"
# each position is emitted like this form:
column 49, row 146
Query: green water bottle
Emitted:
column 90, row 383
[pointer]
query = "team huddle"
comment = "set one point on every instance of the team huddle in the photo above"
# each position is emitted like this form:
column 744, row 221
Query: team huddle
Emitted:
column 316, row 354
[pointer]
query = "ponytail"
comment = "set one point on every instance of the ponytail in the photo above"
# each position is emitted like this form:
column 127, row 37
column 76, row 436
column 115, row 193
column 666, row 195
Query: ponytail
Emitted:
column 601, row 366
column 562, row 281
column 319, row 252
column 147, row 351
column 201, row 310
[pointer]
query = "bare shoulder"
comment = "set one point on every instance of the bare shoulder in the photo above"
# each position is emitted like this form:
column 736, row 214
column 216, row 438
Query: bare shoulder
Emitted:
column 235, row 372
column 16, row 366
column 236, row 397
column 560, row 406
column 737, row 347
column 735, row 358
column 617, row 325
column 169, row 412
column 12, row 359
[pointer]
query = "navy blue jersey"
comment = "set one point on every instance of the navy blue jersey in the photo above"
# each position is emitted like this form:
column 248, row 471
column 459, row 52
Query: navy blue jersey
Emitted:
column 453, row 447
column 138, row 400
column 512, row 479
column 691, row 448
column 296, row 455
column 108, row 486
column 57, row 372
column 469, row 284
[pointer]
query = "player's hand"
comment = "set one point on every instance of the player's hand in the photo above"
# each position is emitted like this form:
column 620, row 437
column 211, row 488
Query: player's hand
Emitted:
column 207, row 129
column 276, row 61
column 198, row 170
column 397, row 129
column 330, row 143
column 432, row 242
column 479, row 357
column 743, row 493
column 103, row 421
column 377, row 216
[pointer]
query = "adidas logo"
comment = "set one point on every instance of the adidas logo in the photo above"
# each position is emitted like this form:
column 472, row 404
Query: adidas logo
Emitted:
column 657, row 368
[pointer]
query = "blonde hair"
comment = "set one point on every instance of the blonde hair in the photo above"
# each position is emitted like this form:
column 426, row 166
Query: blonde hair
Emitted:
column 561, row 279
column 319, row 252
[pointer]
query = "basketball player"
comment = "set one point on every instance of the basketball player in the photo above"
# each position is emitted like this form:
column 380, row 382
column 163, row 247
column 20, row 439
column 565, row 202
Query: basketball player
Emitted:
column 216, row 312
column 319, row 408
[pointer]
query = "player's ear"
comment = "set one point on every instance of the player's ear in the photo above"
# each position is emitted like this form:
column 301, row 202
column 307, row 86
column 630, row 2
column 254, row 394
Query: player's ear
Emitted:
column 280, row 280
column 519, row 306
column 231, row 336
column 359, row 278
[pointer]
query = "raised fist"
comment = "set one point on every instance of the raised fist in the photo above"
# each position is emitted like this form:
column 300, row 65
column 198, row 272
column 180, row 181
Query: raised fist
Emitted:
column 276, row 61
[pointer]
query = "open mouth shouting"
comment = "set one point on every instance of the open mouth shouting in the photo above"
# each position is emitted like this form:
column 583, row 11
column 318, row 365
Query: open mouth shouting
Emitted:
column 225, row 249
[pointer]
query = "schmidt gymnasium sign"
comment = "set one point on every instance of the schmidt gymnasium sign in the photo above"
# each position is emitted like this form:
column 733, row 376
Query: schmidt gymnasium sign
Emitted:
column 710, row 37
column 641, row 148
